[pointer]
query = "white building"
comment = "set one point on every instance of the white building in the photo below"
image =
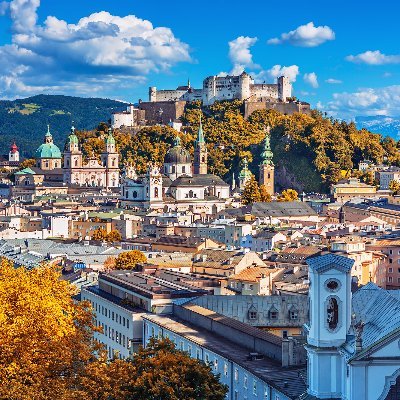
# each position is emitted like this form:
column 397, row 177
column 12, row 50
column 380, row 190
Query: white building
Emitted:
column 129, row 118
column 385, row 177
column 179, row 184
column 353, row 340
column 229, row 87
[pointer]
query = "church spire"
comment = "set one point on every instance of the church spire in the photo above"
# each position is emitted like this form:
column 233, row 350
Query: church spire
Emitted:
column 267, row 154
column 200, row 134
column 200, row 152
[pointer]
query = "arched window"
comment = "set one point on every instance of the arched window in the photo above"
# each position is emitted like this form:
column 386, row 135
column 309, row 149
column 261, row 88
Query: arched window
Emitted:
column 269, row 175
column 191, row 193
column 203, row 159
column 134, row 194
column 76, row 162
column 113, row 162
column 332, row 312
column 156, row 192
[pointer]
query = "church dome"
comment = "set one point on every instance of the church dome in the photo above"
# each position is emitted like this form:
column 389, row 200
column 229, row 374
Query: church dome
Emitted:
column 177, row 154
column 48, row 150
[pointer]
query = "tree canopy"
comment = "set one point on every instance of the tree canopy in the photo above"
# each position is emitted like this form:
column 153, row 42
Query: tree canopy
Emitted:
column 129, row 259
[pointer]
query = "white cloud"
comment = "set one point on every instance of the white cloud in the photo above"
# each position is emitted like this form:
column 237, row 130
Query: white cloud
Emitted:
column 86, row 56
column 240, row 54
column 368, row 101
column 374, row 58
column 291, row 72
column 333, row 81
column 307, row 35
column 311, row 79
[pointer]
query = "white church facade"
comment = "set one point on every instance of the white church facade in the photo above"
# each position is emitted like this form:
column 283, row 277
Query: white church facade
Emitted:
column 353, row 340
column 179, row 185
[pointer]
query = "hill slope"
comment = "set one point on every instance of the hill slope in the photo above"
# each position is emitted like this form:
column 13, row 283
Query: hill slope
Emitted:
column 25, row 120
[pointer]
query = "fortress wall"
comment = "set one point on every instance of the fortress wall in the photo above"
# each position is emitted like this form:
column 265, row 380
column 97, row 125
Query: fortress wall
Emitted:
column 172, row 110
column 284, row 108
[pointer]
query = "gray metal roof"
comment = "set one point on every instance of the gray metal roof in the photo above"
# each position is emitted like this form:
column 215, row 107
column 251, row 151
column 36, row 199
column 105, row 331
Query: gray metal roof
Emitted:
column 379, row 311
column 279, row 209
column 328, row 261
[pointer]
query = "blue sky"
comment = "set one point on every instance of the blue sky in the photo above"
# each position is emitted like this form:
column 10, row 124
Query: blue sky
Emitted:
column 342, row 56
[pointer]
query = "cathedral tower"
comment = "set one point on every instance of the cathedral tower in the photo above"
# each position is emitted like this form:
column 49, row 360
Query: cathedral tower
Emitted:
column 200, row 153
column 72, row 154
column 110, row 160
column 267, row 169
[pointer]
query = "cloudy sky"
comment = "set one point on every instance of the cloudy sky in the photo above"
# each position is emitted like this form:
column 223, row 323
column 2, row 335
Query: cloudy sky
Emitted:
column 342, row 56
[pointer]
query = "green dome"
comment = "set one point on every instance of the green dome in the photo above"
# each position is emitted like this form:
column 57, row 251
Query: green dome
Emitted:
column 48, row 150
column 245, row 173
column 72, row 139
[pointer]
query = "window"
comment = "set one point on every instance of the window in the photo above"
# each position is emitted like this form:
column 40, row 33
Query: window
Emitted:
column 390, row 269
column 207, row 358
column 254, row 387
column 245, row 381
column 216, row 364
column 134, row 194
column 390, row 279
column 390, row 251
column 183, row 169
column 252, row 314
column 236, row 375
column 156, row 192
column 189, row 350
column 225, row 369
column 293, row 314
column 266, row 391
column 332, row 313
column 273, row 314
column 127, row 323
column 153, row 333
column 198, row 354
column 284, row 334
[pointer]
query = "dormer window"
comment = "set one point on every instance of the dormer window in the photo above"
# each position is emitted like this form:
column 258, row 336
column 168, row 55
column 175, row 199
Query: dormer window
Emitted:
column 252, row 314
column 293, row 314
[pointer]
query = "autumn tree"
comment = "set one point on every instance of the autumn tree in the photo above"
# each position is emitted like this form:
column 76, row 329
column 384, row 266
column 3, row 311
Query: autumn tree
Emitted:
column 114, row 236
column 394, row 187
column 159, row 371
column 264, row 195
column 99, row 234
column 109, row 263
column 45, row 336
column 27, row 163
column 288, row 195
column 251, row 192
column 129, row 259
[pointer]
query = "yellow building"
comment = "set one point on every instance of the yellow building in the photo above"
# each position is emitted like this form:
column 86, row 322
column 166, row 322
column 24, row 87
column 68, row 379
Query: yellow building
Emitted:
column 351, row 188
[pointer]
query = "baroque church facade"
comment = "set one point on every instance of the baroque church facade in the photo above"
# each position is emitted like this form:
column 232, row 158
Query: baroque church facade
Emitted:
column 179, row 185
column 57, row 172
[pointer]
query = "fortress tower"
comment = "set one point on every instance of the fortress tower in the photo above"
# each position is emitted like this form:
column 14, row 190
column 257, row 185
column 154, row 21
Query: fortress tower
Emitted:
column 267, row 168
column 152, row 94
column 284, row 88
column 200, row 153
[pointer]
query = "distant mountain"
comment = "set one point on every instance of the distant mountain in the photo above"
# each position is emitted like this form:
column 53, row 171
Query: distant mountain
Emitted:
column 25, row 120
column 386, row 126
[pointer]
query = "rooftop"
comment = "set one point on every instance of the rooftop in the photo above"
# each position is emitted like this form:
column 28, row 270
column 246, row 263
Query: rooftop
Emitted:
column 287, row 380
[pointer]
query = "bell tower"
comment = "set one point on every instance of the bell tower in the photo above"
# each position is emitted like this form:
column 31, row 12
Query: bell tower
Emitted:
column 200, row 153
column 330, row 322
column 267, row 168
column 110, row 160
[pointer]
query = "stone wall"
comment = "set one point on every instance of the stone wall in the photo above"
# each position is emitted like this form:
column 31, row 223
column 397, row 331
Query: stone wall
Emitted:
column 171, row 110
column 284, row 108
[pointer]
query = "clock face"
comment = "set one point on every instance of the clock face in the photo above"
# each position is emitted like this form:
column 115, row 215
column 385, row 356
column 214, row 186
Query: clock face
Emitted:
column 156, row 181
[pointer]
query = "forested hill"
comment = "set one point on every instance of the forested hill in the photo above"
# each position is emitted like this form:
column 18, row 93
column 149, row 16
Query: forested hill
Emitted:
column 25, row 120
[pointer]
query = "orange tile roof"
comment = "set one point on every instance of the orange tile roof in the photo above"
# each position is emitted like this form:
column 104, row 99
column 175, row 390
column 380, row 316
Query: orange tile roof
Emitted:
column 251, row 274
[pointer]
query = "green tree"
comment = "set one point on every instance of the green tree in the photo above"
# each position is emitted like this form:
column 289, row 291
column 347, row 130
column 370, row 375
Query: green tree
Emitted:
column 129, row 259
column 174, row 375
column 251, row 192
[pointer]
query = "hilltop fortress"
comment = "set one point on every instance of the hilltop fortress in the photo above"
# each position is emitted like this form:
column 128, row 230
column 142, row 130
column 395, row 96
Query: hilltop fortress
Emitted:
column 164, row 106
column 217, row 88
